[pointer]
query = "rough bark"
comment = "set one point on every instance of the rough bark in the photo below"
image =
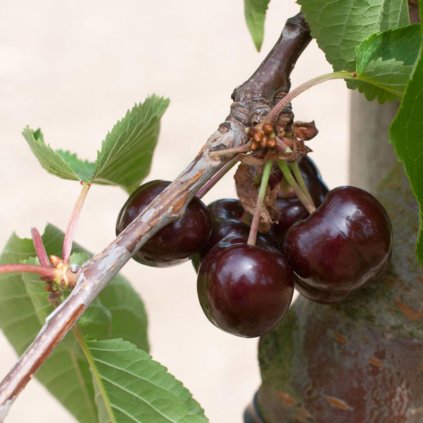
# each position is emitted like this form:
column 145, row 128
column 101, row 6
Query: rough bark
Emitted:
column 360, row 361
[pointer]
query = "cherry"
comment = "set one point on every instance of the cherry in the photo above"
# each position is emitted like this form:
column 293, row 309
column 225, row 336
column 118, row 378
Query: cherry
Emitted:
column 226, row 208
column 342, row 245
column 290, row 211
column 244, row 290
column 178, row 240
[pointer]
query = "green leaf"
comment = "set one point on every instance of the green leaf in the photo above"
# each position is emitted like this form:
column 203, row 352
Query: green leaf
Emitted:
column 407, row 137
column 61, row 163
column 126, row 153
column 125, row 156
column 118, row 312
column 340, row 25
column 385, row 62
column 255, row 14
column 131, row 387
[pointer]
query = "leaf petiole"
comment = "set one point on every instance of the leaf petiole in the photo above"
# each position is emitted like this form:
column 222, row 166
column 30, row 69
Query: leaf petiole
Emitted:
column 283, row 102
column 70, row 230
column 40, row 249
column 45, row 272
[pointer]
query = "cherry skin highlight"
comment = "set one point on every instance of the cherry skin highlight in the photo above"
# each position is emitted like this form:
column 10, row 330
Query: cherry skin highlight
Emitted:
column 226, row 208
column 178, row 240
column 345, row 243
column 245, row 290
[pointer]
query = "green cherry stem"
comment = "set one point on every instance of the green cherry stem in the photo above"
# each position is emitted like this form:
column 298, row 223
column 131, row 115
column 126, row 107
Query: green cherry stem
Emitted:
column 252, row 236
column 273, row 115
column 293, row 183
column 295, row 168
column 70, row 230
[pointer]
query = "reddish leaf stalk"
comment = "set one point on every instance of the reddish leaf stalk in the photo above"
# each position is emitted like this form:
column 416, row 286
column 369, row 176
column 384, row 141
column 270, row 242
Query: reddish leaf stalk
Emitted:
column 43, row 271
column 73, row 221
column 273, row 116
column 40, row 248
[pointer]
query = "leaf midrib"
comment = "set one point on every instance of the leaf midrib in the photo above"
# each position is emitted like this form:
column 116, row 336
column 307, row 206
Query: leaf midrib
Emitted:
column 94, row 372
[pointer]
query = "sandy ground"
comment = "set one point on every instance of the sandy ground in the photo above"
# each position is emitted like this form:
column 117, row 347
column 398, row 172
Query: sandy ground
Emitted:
column 74, row 68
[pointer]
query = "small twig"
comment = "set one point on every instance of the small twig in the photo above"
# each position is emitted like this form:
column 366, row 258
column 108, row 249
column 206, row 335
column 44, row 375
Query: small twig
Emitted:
column 217, row 177
column 73, row 221
column 40, row 249
column 230, row 151
column 252, row 236
column 271, row 79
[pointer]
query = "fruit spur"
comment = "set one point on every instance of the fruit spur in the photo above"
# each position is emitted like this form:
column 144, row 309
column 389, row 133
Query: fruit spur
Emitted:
column 286, row 230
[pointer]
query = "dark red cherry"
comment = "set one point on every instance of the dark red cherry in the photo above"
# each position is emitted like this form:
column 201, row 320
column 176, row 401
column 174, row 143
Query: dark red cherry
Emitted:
column 178, row 240
column 245, row 290
column 342, row 245
column 226, row 208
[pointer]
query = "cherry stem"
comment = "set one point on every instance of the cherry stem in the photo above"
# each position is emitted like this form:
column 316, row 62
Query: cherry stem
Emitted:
column 40, row 249
column 70, row 230
column 293, row 183
column 217, row 177
column 273, row 115
column 295, row 168
column 228, row 151
column 43, row 271
column 252, row 236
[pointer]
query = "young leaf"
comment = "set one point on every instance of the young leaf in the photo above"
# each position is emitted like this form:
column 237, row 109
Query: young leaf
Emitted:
column 125, row 156
column 340, row 25
column 61, row 163
column 131, row 387
column 406, row 136
column 255, row 14
column 385, row 61
column 126, row 153
column 118, row 312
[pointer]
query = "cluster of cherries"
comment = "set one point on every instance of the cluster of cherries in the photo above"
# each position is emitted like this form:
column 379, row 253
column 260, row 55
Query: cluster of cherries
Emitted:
column 246, row 289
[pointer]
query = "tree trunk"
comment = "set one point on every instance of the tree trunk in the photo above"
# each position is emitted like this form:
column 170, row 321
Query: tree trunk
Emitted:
column 360, row 361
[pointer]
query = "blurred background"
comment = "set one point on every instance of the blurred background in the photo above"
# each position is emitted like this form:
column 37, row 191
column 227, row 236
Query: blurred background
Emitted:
column 73, row 69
